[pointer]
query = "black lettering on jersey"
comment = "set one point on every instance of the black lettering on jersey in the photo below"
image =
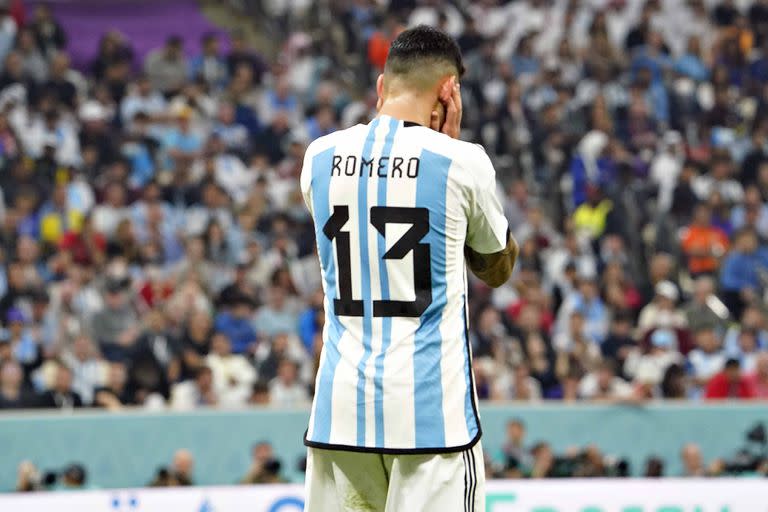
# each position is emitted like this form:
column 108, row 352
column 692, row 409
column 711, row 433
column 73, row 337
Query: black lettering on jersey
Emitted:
column 396, row 167
column 381, row 171
column 377, row 165
column 412, row 171
column 336, row 168
column 364, row 163
column 350, row 165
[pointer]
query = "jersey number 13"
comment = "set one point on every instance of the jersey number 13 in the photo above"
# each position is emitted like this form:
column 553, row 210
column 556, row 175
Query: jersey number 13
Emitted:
column 418, row 218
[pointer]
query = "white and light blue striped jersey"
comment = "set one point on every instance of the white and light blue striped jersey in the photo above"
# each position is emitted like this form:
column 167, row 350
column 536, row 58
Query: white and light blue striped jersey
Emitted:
column 394, row 204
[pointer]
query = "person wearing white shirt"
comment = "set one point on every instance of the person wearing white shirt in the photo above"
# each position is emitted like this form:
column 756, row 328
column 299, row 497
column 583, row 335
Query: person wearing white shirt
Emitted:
column 649, row 368
column 604, row 385
column 708, row 358
column 286, row 390
column 142, row 98
column 666, row 167
column 199, row 392
column 112, row 211
column 233, row 375
column 88, row 371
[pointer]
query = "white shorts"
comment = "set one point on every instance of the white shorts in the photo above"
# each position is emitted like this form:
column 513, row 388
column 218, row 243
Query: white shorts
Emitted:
column 346, row 481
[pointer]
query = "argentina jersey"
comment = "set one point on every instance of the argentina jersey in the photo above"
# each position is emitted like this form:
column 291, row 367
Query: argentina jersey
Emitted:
column 394, row 205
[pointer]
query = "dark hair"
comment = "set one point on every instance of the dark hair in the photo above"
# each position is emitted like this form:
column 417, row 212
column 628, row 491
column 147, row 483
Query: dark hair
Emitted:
column 415, row 45
column 732, row 364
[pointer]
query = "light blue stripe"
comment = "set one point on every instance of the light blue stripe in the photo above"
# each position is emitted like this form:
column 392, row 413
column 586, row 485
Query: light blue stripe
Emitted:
column 469, row 412
column 321, row 181
column 386, row 324
column 365, row 281
column 431, row 189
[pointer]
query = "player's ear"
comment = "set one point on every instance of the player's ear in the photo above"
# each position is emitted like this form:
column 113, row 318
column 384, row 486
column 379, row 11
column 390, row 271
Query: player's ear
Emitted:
column 379, row 92
column 380, row 86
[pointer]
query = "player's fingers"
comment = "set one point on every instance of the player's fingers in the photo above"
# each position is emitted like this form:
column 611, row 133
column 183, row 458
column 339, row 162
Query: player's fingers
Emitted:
column 450, row 127
column 434, row 121
column 447, row 90
column 457, row 101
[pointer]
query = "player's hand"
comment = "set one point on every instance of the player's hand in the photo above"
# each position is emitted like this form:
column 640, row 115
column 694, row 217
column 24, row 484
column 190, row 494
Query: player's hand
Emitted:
column 450, row 97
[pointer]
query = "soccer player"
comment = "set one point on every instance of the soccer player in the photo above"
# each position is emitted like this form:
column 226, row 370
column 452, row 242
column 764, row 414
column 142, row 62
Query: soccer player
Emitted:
column 400, row 205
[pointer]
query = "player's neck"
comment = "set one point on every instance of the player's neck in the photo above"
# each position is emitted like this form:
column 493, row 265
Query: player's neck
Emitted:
column 408, row 108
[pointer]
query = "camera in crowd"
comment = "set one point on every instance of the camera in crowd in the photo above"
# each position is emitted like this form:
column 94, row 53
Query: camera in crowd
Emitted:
column 73, row 476
column 753, row 457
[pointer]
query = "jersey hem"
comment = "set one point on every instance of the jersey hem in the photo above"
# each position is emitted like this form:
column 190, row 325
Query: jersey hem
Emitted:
column 394, row 451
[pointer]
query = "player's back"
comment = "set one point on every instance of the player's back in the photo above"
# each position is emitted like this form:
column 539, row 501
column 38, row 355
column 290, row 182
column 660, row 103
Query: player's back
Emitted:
column 391, row 203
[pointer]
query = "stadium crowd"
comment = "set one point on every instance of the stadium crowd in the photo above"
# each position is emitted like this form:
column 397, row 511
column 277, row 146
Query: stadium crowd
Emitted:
column 156, row 251
column 516, row 458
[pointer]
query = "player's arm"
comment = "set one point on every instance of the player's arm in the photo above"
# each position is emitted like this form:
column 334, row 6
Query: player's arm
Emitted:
column 490, row 250
column 496, row 268
column 486, row 219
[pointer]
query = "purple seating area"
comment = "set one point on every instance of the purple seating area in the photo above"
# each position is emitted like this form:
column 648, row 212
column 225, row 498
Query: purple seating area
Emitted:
column 144, row 23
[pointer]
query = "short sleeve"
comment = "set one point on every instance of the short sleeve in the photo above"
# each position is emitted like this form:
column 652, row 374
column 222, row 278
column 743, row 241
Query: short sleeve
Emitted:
column 487, row 227
column 305, row 181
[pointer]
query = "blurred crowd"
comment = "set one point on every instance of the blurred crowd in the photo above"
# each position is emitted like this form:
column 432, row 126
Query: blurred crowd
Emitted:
column 156, row 251
column 518, row 459
column 264, row 468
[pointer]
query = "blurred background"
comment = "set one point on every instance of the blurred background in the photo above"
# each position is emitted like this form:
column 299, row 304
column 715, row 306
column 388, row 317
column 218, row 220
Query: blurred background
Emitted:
column 159, row 289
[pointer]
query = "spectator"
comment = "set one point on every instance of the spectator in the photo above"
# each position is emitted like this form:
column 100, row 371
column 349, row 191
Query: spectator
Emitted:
column 587, row 300
column 49, row 34
column 517, row 459
column 166, row 67
column 61, row 395
column 115, row 327
column 155, row 356
column 276, row 316
column 703, row 243
column 654, row 468
column 285, row 390
column 649, row 367
column 747, row 351
column 674, row 384
column 114, row 394
column 87, row 367
column 74, row 477
column 34, row 63
column 142, row 98
column 742, row 278
column 8, row 29
column 604, row 386
column 265, row 468
column 663, row 312
column 729, row 384
column 183, row 466
column 707, row 358
column 240, row 56
column 235, row 324
column 619, row 342
column 13, row 394
column 759, row 378
column 28, row 477
column 195, row 343
column 190, row 394
column 693, row 465
column 233, row 375
column 705, row 309
column 520, row 387
column 209, row 66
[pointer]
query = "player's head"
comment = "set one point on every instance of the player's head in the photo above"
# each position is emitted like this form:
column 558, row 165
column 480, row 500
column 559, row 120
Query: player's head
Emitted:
column 420, row 60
